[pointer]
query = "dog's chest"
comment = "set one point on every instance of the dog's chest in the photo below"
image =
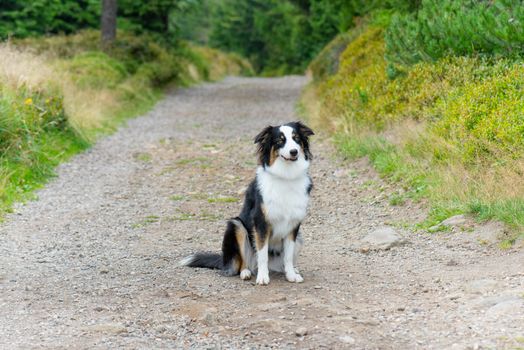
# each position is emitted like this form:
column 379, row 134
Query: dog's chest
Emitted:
column 285, row 202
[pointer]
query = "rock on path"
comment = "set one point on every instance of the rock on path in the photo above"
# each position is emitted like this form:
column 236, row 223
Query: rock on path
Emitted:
column 382, row 238
column 92, row 264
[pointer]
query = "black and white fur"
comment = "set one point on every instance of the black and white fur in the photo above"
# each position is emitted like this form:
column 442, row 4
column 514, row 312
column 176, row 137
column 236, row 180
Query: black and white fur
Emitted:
column 266, row 235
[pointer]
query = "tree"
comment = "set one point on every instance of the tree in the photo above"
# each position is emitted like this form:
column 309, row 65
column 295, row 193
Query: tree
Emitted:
column 108, row 22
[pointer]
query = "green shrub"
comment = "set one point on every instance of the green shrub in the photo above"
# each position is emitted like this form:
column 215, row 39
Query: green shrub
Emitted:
column 29, row 18
column 485, row 119
column 456, row 27
column 96, row 70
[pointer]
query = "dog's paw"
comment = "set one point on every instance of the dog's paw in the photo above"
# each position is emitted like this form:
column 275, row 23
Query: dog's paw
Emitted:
column 294, row 277
column 245, row 274
column 262, row 279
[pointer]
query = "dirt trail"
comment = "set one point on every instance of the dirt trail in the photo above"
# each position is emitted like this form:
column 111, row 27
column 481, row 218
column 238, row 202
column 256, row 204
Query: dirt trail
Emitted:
column 93, row 262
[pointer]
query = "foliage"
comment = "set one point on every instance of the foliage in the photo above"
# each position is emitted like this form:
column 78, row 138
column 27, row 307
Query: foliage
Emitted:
column 279, row 36
column 192, row 20
column 29, row 18
column 233, row 29
column 152, row 16
column 457, row 27
column 22, row 19
column 451, row 131
column 283, row 36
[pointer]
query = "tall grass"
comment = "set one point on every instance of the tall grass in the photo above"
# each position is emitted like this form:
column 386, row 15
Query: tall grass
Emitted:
column 34, row 133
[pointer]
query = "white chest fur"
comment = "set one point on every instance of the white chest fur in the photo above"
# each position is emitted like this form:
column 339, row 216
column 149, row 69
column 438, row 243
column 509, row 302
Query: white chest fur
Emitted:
column 285, row 201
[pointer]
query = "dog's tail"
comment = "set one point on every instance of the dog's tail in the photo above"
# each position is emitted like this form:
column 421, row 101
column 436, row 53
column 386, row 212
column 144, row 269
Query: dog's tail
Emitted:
column 230, row 251
column 207, row 260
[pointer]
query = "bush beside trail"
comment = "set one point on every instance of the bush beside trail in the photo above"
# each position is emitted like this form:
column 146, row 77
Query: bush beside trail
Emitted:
column 450, row 131
column 59, row 93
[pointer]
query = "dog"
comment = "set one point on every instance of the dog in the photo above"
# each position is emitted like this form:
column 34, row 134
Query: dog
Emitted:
column 266, row 235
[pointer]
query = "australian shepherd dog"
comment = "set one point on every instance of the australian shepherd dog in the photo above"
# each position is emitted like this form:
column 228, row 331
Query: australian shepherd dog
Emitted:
column 266, row 235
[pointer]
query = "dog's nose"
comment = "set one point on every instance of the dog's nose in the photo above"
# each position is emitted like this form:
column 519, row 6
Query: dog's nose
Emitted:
column 293, row 152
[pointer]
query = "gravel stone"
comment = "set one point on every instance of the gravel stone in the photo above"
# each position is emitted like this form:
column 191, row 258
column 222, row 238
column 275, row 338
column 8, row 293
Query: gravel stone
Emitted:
column 300, row 332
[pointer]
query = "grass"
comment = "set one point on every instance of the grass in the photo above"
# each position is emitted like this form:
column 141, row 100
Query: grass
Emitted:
column 202, row 162
column 449, row 133
column 143, row 157
column 59, row 94
column 150, row 219
column 222, row 200
column 201, row 216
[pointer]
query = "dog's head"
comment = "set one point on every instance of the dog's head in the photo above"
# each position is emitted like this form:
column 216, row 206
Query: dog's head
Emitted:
column 283, row 145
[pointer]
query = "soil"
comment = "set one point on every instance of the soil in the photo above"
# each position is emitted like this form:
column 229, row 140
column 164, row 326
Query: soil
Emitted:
column 93, row 262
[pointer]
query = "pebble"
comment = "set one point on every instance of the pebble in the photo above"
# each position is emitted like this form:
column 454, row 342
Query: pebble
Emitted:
column 347, row 339
column 301, row 331
column 452, row 262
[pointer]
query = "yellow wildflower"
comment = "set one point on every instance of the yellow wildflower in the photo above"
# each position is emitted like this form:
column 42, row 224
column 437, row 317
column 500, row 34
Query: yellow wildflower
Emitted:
column 28, row 101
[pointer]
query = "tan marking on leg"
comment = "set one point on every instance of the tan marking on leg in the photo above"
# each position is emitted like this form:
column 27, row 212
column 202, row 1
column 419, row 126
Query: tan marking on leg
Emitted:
column 259, row 241
column 240, row 236
column 236, row 264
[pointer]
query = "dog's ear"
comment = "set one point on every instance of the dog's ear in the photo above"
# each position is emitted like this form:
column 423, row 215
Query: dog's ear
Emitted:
column 265, row 135
column 304, row 132
column 264, row 145
column 304, row 129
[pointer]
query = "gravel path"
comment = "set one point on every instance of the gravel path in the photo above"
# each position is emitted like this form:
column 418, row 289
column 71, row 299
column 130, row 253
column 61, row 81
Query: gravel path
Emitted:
column 93, row 262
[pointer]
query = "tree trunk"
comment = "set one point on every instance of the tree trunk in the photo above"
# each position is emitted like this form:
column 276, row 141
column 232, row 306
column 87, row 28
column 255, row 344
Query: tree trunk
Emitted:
column 108, row 22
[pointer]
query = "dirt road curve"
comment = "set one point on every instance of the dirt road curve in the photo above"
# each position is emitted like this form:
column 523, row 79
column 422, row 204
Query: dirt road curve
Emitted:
column 92, row 264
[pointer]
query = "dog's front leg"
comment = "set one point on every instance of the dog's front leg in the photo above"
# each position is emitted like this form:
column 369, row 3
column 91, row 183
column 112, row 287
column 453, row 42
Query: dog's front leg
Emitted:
column 262, row 235
column 262, row 262
column 289, row 257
